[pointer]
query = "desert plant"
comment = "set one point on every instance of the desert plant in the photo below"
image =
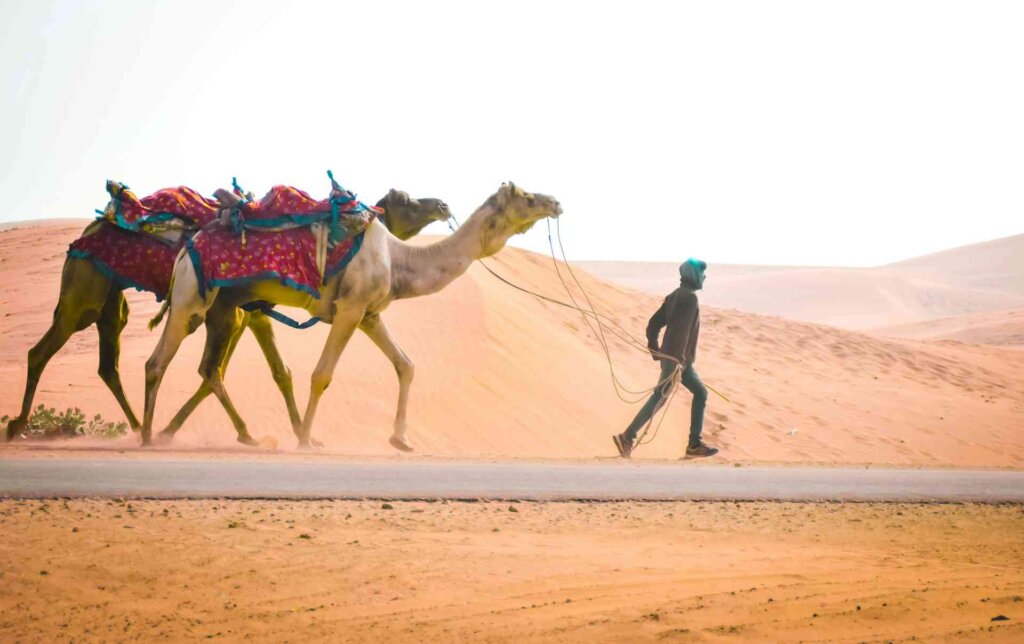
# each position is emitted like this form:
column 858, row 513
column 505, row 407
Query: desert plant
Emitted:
column 47, row 422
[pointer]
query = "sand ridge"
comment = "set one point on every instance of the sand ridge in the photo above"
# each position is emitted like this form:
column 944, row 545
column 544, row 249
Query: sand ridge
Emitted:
column 501, row 374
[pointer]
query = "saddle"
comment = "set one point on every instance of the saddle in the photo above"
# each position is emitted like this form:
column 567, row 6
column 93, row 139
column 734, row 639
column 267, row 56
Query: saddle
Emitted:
column 166, row 214
column 332, row 221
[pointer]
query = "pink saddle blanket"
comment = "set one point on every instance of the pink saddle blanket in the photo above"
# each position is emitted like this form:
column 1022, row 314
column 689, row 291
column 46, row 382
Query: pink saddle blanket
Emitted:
column 166, row 208
column 287, row 207
column 222, row 258
column 129, row 259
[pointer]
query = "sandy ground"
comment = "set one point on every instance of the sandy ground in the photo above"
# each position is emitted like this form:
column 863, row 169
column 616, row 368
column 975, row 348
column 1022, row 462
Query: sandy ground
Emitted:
column 500, row 374
column 355, row 571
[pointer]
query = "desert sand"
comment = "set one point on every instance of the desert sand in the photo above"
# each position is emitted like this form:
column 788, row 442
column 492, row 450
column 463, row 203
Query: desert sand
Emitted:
column 961, row 281
column 998, row 328
column 421, row 572
column 502, row 374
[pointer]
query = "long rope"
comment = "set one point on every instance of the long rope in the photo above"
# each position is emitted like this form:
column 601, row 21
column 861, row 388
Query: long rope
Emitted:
column 669, row 381
column 619, row 332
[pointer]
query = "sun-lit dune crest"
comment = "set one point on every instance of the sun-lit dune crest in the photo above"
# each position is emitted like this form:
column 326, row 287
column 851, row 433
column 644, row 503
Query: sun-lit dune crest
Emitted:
column 500, row 373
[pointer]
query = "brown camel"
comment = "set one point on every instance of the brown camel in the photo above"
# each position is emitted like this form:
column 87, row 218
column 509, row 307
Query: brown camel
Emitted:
column 386, row 269
column 88, row 297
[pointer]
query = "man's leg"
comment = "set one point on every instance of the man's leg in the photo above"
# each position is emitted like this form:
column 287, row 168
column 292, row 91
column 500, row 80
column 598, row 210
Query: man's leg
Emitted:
column 644, row 415
column 693, row 383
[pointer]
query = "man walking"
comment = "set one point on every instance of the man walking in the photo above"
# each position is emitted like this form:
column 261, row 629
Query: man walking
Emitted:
column 680, row 316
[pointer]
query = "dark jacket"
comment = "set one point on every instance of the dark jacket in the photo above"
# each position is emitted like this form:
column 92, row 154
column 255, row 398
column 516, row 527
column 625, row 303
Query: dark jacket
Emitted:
column 680, row 315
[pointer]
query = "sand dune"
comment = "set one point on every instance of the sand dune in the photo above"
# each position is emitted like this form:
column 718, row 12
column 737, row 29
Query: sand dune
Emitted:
column 971, row 279
column 999, row 328
column 502, row 374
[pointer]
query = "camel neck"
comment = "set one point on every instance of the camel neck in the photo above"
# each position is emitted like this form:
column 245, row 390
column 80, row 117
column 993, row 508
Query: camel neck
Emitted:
column 422, row 270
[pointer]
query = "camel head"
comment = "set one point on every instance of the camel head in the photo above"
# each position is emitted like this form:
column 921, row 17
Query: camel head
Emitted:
column 515, row 211
column 405, row 217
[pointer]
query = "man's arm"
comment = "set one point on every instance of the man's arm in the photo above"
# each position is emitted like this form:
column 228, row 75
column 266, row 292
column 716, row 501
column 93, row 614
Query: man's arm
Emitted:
column 654, row 327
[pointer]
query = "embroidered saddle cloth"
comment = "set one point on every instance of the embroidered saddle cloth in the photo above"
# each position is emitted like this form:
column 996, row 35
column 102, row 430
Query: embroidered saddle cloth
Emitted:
column 137, row 260
column 287, row 235
column 295, row 257
column 287, row 207
column 167, row 209
column 136, row 241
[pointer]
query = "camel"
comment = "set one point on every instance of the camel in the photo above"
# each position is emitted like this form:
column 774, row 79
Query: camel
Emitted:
column 88, row 297
column 403, row 216
column 385, row 270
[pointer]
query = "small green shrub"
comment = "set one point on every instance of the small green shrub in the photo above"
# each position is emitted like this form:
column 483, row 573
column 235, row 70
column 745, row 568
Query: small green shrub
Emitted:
column 47, row 422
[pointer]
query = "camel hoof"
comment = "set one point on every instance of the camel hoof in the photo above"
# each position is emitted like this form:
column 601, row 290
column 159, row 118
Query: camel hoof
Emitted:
column 310, row 445
column 246, row 439
column 165, row 437
column 14, row 428
column 147, row 442
column 400, row 444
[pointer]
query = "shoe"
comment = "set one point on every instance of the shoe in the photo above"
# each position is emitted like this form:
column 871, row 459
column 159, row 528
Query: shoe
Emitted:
column 701, row 449
column 624, row 445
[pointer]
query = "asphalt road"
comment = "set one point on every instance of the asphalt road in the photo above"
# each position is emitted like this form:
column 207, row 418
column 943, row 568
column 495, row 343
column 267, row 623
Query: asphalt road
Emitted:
column 198, row 478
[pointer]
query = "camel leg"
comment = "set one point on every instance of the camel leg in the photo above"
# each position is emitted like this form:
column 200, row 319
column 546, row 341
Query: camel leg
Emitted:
column 344, row 325
column 83, row 294
column 374, row 327
column 224, row 326
column 204, row 390
column 112, row 321
column 262, row 329
column 184, row 317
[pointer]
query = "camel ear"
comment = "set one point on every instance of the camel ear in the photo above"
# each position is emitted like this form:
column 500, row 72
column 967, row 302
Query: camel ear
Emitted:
column 504, row 193
column 398, row 197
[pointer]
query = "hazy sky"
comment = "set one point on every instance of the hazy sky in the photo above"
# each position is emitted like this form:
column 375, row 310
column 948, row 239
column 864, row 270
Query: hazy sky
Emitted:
column 840, row 133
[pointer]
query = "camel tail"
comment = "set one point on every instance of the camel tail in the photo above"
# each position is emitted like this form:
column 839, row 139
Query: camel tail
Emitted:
column 155, row 322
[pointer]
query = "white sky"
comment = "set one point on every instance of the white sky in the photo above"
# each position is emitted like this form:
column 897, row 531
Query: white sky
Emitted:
column 839, row 133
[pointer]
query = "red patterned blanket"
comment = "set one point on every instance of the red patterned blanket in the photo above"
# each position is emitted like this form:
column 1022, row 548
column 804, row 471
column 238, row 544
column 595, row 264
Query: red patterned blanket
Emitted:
column 135, row 260
column 276, row 241
column 167, row 208
column 272, row 239
column 222, row 258
column 285, row 207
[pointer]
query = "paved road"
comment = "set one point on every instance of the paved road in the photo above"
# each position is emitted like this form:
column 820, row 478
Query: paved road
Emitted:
column 193, row 478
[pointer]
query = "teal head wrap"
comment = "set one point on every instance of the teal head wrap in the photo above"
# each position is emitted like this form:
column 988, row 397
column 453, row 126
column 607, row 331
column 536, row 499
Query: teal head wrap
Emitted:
column 691, row 273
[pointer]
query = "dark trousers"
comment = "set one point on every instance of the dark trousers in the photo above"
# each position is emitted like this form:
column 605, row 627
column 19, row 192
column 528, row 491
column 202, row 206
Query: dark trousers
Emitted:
column 692, row 382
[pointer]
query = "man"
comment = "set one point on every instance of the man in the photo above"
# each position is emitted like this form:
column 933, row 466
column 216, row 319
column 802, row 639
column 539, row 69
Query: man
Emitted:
column 680, row 316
